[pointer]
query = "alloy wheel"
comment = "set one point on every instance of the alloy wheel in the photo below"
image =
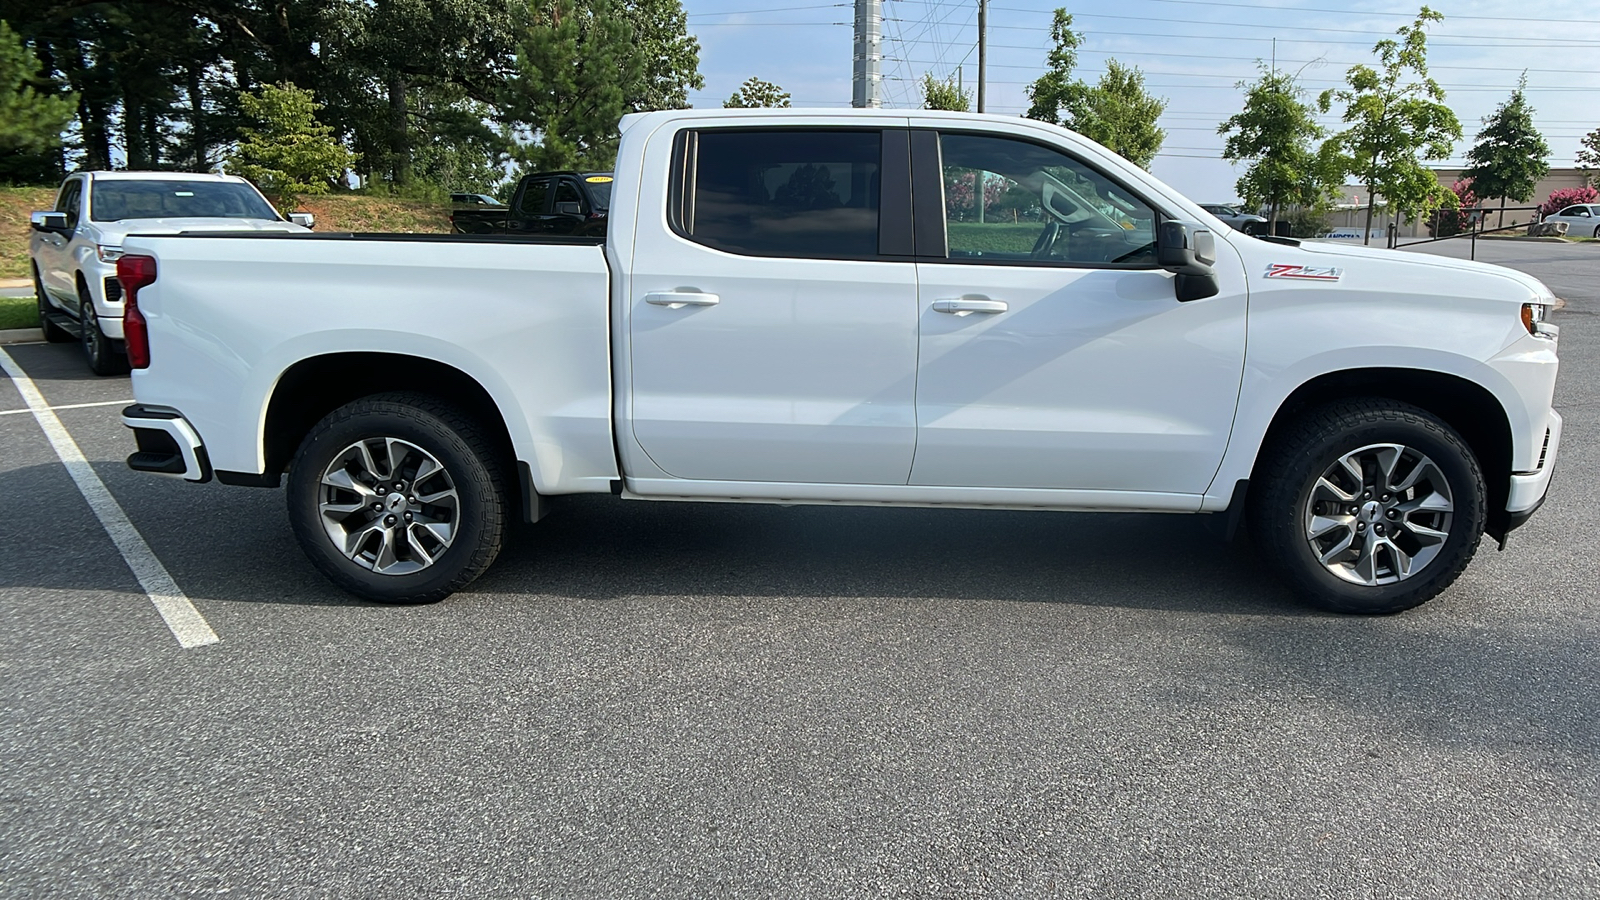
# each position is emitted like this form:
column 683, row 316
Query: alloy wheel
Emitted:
column 1379, row 514
column 388, row 505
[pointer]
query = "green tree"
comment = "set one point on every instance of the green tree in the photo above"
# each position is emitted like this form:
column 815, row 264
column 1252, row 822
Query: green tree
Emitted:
column 757, row 93
column 581, row 65
column 1056, row 96
column 1510, row 155
column 1397, row 118
column 1117, row 111
column 1274, row 133
column 1589, row 155
column 944, row 94
column 33, row 113
column 671, row 55
column 287, row 152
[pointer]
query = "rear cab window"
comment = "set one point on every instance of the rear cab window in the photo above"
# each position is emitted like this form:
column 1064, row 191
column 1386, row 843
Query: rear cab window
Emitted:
column 787, row 192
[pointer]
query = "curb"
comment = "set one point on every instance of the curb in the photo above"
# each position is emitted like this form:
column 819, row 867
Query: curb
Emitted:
column 16, row 282
column 20, row 335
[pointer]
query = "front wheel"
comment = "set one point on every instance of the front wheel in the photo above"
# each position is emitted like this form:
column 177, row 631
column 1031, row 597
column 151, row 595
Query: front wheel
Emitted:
column 102, row 353
column 398, row 498
column 1368, row 506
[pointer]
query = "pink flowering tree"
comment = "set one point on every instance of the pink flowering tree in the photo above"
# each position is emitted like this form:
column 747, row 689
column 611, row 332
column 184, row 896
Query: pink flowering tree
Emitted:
column 1455, row 221
column 1565, row 197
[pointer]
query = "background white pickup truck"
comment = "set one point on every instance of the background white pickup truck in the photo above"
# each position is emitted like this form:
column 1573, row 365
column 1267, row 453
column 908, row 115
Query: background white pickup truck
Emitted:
column 74, row 247
column 863, row 307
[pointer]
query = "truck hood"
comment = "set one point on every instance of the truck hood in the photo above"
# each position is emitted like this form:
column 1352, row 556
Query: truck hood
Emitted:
column 1391, row 257
column 117, row 230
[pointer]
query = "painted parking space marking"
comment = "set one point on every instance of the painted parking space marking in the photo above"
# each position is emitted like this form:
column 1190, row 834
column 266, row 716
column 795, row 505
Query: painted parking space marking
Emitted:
column 186, row 623
column 18, row 412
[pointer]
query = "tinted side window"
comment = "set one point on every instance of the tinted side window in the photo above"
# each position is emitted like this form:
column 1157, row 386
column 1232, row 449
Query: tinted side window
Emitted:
column 534, row 197
column 1010, row 200
column 567, row 192
column 786, row 193
column 71, row 201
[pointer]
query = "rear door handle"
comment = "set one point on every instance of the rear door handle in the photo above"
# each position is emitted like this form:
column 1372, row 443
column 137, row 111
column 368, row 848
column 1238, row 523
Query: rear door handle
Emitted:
column 680, row 299
column 963, row 306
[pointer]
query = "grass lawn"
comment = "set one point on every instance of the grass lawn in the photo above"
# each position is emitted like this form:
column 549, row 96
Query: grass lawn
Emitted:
column 15, row 205
column 18, row 312
column 995, row 237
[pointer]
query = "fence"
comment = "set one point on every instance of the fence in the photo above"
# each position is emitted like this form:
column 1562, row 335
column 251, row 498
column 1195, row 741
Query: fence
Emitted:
column 1478, row 218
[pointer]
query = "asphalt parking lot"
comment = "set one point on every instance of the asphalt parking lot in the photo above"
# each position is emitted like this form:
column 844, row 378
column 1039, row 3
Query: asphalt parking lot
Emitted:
column 680, row 700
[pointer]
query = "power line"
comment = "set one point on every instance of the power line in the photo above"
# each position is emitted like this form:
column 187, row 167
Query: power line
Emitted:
column 1347, row 12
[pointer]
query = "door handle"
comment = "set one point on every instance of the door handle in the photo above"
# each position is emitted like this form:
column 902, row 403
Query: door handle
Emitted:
column 972, row 303
column 680, row 299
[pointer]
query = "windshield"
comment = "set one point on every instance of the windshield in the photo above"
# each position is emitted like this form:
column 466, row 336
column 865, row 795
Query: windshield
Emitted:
column 112, row 200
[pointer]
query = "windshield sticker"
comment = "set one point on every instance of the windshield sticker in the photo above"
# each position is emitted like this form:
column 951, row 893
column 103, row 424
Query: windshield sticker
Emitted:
column 1305, row 273
column 598, row 179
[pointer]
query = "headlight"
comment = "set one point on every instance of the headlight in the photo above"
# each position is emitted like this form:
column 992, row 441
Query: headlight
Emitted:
column 1533, row 319
column 108, row 253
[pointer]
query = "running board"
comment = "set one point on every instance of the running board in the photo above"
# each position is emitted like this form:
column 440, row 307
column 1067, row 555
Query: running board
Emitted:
column 65, row 322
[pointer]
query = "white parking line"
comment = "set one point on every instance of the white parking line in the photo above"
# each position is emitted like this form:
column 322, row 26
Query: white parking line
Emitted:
column 18, row 412
column 188, row 626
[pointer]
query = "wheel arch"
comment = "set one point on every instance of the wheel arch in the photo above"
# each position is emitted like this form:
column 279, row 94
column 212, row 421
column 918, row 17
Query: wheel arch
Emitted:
column 317, row 385
column 1469, row 408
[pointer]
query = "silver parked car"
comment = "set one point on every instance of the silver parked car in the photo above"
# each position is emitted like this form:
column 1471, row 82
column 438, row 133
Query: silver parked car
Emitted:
column 1239, row 221
column 1583, row 219
column 75, row 247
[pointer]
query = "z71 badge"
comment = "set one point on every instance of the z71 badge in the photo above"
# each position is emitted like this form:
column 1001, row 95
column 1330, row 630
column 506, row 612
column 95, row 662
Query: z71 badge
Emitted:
column 1306, row 273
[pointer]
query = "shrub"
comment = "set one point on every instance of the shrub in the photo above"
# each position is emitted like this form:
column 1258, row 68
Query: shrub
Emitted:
column 1565, row 197
column 1447, row 222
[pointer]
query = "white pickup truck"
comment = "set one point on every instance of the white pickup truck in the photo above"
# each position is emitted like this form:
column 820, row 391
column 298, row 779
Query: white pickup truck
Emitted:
column 74, row 248
column 862, row 307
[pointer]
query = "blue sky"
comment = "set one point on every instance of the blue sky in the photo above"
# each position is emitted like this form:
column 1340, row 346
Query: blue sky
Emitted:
column 1193, row 53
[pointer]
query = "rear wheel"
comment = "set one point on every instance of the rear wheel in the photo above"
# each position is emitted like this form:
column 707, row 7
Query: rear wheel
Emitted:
column 1368, row 506
column 398, row 498
column 102, row 353
column 1597, row 232
column 53, row 333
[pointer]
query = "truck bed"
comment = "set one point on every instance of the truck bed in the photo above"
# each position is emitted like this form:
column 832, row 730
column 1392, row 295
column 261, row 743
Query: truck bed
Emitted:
column 232, row 316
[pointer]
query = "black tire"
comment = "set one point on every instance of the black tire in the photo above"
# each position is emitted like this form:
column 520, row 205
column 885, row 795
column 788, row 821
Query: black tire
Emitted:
column 104, row 355
column 470, row 462
column 1597, row 232
column 1307, row 449
column 53, row 333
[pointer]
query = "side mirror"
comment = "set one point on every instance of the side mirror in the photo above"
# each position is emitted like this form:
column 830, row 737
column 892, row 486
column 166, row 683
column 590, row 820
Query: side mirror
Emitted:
column 55, row 222
column 304, row 220
column 569, row 208
column 1188, row 250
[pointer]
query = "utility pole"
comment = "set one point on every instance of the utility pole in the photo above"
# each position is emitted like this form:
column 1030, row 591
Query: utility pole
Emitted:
column 983, row 49
column 867, row 64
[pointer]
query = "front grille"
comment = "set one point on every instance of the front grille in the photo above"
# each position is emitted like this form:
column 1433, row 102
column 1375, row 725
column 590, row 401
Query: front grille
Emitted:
column 113, row 291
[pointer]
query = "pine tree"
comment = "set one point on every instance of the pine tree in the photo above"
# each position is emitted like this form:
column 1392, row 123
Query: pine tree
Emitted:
column 32, row 117
column 756, row 93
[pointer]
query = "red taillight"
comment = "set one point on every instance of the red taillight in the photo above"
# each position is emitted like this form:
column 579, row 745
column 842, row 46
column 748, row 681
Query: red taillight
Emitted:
column 135, row 272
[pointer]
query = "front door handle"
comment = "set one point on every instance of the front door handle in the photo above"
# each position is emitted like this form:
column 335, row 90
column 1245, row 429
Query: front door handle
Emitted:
column 680, row 299
column 972, row 303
